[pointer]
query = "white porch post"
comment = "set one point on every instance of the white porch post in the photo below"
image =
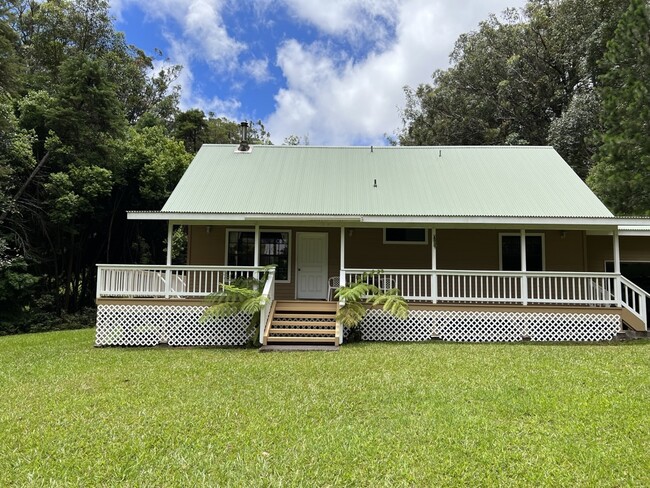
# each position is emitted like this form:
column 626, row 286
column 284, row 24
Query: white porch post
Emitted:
column 434, row 267
column 256, row 258
column 342, row 276
column 524, row 278
column 168, row 262
column 617, row 268
column 342, row 259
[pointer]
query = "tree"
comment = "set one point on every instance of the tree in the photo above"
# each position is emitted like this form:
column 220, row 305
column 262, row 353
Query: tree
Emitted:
column 525, row 78
column 621, row 175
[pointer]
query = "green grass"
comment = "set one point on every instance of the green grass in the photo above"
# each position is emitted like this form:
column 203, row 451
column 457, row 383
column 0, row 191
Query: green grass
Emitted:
column 432, row 414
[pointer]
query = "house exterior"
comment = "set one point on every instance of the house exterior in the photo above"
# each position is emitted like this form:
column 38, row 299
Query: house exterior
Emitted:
column 486, row 243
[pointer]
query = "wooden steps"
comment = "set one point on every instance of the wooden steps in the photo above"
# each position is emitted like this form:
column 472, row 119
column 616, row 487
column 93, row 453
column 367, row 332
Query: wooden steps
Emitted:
column 302, row 322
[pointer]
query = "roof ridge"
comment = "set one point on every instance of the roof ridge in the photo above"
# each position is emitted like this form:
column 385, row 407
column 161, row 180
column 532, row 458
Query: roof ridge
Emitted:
column 272, row 146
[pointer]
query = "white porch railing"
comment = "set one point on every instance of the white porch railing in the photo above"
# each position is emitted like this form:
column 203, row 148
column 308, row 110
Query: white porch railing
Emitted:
column 505, row 287
column 635, row 299
column 510, row 287
column 138, row 281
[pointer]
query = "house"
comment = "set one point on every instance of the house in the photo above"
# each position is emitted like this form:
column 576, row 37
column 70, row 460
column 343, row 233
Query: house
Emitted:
column 486, row 243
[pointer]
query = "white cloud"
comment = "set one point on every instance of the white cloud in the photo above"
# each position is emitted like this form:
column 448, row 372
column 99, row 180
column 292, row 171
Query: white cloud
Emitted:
column 357, row 100
column 258, row 69
column 204, row 37
column 350, row 18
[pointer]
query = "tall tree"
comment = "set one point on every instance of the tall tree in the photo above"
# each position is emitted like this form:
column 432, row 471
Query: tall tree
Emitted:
column 514, row 80
column 621, row 175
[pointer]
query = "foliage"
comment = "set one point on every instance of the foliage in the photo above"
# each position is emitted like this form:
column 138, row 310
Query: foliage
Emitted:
column 243, row 295
column 195, row 129
column 17, row 287
column 294, row 140
column 371, row 414
column 363, row 290
column 621, row 175
column 88, row 130
column 525, row 78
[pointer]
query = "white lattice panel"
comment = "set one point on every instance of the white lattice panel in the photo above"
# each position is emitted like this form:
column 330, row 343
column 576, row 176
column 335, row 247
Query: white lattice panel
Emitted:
column 479, row 326
column 488, row 326
column 378, row 325
column 177, row 325
column 572, row 326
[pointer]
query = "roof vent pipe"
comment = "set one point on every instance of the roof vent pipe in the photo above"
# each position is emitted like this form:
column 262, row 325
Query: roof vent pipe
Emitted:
column 243, row 145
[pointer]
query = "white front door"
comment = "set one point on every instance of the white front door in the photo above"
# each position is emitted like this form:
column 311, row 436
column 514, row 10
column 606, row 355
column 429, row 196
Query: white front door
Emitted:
column 311, row 261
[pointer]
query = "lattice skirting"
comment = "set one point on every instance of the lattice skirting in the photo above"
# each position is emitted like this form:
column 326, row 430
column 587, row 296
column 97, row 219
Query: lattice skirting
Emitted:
column 176, row 325
column 487, row 326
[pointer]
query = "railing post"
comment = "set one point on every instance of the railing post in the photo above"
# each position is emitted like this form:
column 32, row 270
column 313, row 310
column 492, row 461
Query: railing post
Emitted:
column 100, row 279
column 617, row 291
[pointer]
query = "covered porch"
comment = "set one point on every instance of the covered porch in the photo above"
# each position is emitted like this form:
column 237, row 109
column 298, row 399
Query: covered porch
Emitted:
column 491, row 293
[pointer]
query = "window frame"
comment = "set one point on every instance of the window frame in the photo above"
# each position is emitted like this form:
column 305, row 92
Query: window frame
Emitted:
column 518, row 234
column 262, row 230
column 408, row 243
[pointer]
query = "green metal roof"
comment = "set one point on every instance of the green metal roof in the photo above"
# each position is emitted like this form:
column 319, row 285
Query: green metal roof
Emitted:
column 515, row 181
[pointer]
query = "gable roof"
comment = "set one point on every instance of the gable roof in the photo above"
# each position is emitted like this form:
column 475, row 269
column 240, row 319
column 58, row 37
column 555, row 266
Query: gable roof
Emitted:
column 501, row 181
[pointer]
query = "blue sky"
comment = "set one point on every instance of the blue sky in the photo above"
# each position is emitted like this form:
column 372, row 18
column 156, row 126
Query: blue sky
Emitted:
column 332, row 71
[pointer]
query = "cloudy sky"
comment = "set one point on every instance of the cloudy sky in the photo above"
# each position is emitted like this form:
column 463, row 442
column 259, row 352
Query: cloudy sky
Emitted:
column 329, row 70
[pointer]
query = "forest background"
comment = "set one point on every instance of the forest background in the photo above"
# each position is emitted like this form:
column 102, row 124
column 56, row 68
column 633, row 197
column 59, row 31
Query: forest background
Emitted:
column 89, row 130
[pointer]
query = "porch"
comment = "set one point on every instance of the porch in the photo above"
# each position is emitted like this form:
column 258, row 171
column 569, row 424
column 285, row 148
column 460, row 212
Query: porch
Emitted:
column 149, row 305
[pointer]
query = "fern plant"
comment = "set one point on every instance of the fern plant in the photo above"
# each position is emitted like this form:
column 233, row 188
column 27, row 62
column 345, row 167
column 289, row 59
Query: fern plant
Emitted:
column 241, row 295
column 363, row 292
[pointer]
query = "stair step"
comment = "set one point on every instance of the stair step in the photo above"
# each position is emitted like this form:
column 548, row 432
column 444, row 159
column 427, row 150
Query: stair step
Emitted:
column 314, row 323
column 300, row 339
column 303, row 331
column 305, row 315
column 305, row 306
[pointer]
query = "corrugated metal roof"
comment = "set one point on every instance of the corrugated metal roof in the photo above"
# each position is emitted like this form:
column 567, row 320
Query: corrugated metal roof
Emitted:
column 411, row 181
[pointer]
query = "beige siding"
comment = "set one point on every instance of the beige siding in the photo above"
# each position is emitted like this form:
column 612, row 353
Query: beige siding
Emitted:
column 456, row 249
column 601, row 249
column 564, row 250
column 365, row 248
column 206, row 247
column 467, row 249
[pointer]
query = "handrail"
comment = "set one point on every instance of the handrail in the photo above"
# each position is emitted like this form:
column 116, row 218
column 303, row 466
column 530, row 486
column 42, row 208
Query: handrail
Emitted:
column 634, row 298
column 266, row 314
column 482, row 272
column 180, row 267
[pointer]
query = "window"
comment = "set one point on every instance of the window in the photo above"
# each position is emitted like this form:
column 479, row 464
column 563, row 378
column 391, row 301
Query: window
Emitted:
column 274, row 249
column 395, row 235
column 511, row 252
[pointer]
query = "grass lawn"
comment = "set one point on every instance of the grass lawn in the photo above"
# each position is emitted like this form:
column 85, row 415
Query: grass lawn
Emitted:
column 373, row 414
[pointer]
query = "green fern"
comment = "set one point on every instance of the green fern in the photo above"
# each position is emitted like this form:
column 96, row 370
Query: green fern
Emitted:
column 362, row 291
column 243, row 294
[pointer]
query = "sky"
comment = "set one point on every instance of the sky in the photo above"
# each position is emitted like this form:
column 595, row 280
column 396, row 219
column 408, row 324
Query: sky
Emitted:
column 331, row 71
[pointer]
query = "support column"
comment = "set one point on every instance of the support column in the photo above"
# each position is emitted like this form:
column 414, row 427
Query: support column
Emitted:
column 170, row 232
column 434, row 267
column 342, row 277
column 342, row 259
column 256, row 257
column 524, row 278
column 617, row 268
column 168, row 262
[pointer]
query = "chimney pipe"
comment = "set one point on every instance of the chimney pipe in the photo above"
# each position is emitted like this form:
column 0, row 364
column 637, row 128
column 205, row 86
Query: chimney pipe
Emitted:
column 243, row 145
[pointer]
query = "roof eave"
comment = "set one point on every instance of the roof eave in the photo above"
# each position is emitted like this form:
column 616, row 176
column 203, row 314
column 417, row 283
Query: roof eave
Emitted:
column 476, row 220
